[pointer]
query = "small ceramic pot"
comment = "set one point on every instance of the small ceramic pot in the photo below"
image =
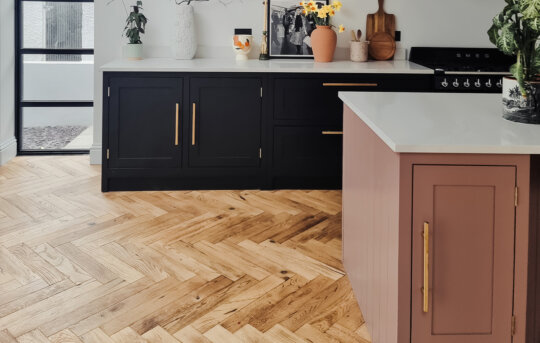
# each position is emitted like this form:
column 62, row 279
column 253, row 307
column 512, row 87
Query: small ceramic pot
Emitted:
column 133, row 52
column 242, row 46
column 519, row 108
column 323, row 42
column 359, row 51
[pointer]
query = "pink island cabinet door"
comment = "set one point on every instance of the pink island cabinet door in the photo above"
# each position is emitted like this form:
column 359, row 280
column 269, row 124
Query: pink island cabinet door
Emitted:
column 463, row 254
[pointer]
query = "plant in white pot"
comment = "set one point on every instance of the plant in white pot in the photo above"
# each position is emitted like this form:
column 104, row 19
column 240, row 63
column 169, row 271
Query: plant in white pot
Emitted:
column 135, row 26
column 185, row 38
column 516, row 32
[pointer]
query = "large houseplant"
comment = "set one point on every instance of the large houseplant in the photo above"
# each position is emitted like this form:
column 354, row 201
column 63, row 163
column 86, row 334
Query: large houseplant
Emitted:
column 516, row 32
column 135, row 26
column 323, row 38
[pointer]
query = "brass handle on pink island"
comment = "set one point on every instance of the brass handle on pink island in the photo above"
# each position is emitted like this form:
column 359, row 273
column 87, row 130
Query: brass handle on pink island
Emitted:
column 425, row 289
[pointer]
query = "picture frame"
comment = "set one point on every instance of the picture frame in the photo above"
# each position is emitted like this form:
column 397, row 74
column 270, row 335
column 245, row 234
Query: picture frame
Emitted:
column 289, row 30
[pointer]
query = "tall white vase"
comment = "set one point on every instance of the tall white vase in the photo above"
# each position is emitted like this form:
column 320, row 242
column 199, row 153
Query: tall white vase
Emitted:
column 185, row 42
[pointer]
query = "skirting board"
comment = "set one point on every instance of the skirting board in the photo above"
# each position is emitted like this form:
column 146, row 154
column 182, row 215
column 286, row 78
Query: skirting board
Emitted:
column 95, row 154
column 8, row 150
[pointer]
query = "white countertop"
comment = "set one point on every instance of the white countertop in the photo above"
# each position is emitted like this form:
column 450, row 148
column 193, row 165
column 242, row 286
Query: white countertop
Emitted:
column 272, row 66
column 443, row 123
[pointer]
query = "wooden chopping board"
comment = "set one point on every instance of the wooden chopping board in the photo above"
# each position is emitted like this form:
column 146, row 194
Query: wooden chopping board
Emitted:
column 380, row 21
column 382, row 46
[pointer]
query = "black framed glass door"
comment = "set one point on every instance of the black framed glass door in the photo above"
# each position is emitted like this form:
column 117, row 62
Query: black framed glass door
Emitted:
column 54, row 76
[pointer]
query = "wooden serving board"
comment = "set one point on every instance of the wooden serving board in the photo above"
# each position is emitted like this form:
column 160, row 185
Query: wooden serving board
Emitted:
column 382, row 46
column 380, row 21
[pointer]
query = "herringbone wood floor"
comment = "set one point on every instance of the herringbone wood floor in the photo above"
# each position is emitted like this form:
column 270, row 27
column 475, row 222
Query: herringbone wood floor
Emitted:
column 219, row 266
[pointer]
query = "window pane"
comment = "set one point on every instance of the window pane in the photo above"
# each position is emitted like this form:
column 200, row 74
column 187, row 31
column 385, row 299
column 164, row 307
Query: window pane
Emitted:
column 57, row 128
column 58, row 25
column 70, row 80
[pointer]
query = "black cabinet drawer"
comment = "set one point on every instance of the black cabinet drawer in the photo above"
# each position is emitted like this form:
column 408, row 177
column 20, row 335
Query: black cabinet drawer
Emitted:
column 315, row 100
column 306, row 99
column 307, row 150
column 307, row 157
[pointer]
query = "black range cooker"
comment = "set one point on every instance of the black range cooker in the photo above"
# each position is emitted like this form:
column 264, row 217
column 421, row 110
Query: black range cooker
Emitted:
column 464, row 69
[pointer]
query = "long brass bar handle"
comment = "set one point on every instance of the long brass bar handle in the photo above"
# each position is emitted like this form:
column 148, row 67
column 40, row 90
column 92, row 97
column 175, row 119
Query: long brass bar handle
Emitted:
column 332, row 132
column 176, row 124
column 425, row 289
column 193, row 124
column 338, row 84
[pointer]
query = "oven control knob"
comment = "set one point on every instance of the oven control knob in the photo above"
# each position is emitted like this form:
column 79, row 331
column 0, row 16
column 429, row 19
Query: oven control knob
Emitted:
column 467, row 83
column 444, row 83
column 478, row 84
column 499, row 84
column 488, row 83
column 455, row 83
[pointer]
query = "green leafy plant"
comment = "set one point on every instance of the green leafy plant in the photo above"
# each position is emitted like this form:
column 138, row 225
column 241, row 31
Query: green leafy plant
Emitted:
column 516, row 31
column 135, row 24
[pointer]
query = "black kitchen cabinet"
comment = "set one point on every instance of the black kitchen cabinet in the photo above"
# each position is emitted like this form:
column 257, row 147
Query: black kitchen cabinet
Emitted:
column 225, row 121
column 143, row 122
column 190, row 130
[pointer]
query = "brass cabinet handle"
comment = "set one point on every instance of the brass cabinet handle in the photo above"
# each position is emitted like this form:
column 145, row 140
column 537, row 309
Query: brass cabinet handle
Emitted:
column 332, row 132
column 338, row 84
column 176, row 124
column 425, row 289
column 193, row 124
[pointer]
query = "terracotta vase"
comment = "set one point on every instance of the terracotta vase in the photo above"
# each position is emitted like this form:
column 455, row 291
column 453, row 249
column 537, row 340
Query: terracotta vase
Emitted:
column 323, row 42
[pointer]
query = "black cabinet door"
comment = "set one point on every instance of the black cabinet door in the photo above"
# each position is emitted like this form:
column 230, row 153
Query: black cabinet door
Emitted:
column 226, row 116
column 307, row 156
column 144, row 119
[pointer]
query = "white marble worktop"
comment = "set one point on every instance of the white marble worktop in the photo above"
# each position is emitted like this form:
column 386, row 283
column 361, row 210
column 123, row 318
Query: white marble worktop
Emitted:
column 443, row 123
column 272, row 66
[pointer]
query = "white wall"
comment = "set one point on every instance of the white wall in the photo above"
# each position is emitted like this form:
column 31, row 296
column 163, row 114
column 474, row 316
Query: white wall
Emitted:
column 422, row 22
column 8, row 147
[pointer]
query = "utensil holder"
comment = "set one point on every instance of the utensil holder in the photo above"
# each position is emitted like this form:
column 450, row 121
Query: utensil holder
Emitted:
column 359, row 51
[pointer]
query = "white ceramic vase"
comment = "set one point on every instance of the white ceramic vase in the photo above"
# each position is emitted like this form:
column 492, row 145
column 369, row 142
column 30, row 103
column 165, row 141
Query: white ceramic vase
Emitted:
column 185, row 40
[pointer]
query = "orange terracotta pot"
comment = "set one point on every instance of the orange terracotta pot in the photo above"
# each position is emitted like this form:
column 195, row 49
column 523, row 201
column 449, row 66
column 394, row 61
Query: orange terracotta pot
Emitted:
column 323, row 42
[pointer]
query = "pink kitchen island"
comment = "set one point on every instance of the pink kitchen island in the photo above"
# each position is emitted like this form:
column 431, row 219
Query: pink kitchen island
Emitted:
column 440, row 218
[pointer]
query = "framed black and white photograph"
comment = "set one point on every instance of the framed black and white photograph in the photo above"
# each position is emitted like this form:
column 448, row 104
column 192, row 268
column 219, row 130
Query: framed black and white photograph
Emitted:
column 289, row 31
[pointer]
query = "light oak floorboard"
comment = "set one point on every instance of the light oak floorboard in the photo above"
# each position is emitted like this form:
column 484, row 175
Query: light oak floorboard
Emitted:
column 81, row 266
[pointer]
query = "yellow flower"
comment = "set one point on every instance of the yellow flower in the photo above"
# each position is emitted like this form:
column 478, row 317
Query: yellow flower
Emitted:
column 302, row 3
column 311, row 4
column 332, row 13
column 337, row 5
column 341, row 28
column 322, row 14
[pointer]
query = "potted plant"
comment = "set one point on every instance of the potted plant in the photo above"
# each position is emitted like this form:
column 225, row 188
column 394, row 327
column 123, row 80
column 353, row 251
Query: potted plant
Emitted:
column 185, row 38
column 323, row 38
column 516, row 32
column 135, row 26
